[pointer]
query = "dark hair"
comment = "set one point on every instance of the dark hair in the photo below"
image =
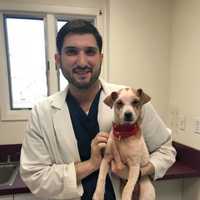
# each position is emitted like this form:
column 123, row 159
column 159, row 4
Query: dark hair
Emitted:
column 78, row 26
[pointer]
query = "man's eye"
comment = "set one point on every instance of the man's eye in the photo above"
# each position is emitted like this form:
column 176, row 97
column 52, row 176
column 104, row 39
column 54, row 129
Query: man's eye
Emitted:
column 90, row 51
column 71, row 52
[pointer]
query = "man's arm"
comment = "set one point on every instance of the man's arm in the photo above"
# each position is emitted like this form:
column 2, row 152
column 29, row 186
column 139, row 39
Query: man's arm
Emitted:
column 44, row 177
column 147, row 170
column 83, row 169
column 160, row 160
column 163, row 158
column 158, row 139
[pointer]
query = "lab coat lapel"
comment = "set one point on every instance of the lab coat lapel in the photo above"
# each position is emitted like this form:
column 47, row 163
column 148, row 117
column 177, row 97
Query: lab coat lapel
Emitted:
column 64, row 130
column 105, row 113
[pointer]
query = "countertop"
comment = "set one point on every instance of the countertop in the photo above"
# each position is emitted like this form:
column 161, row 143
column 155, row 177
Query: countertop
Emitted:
column 187, row 165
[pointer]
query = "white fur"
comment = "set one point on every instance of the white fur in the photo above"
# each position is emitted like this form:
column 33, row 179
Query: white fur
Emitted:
column 131, row 151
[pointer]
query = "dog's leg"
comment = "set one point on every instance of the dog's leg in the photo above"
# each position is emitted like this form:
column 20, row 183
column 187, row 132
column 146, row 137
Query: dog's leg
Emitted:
column 132, row 179
column 116, row 157
column 103, row 171
column 147, row 191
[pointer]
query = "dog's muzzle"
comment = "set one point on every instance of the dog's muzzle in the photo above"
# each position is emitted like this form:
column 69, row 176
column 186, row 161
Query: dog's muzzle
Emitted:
column 128, row 116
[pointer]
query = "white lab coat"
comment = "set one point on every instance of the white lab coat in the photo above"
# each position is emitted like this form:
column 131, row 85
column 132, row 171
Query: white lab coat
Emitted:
column 50, row 149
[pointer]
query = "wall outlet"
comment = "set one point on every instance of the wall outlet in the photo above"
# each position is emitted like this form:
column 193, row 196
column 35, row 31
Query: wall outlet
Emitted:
column 196, row 125
column 180, row 122
column 173, row 113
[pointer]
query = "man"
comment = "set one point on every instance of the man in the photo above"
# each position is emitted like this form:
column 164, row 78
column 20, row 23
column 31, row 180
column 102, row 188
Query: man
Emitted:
column 61, row 152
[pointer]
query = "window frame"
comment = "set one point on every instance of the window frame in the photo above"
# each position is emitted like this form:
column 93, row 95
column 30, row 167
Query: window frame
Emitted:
column 21, row 16
column 50, row 14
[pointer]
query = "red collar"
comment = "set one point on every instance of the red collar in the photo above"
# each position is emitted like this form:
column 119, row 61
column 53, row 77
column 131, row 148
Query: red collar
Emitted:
column 125, row 130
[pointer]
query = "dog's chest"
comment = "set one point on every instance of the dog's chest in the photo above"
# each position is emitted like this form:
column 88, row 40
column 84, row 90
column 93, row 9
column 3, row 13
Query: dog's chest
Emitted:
column 129, row 150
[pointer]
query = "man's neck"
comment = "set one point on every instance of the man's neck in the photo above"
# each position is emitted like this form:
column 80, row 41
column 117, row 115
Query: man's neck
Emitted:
column 85, row 97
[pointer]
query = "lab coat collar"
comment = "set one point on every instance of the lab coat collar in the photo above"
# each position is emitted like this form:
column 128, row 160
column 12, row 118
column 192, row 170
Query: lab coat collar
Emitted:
column 58, row 99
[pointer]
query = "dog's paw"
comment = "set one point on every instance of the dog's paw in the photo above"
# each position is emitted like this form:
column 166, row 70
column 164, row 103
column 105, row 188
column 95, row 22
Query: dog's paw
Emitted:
column 126, row 195
column 97, row 196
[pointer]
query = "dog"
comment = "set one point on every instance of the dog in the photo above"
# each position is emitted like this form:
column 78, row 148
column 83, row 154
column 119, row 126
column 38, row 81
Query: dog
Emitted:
column 126, row 144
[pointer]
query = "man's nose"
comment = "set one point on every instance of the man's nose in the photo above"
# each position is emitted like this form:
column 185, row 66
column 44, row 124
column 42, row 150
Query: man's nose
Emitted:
column 82, row 59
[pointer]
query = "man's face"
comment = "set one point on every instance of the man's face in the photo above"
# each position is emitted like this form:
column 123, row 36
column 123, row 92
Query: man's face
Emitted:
column 80, row 60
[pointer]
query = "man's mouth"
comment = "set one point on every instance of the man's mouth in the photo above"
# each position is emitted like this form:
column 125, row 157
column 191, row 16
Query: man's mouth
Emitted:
column 82, row 71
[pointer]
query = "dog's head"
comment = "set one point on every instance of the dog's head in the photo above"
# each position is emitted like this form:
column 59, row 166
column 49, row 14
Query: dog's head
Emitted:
column 127, row 104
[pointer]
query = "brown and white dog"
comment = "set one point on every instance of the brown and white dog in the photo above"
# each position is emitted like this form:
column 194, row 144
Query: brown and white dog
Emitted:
column 126, row 144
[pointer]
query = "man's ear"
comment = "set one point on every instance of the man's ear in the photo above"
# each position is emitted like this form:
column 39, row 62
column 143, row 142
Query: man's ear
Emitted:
column 143, row 96
column 57, row 57
column 109, row 100
column 101, row 59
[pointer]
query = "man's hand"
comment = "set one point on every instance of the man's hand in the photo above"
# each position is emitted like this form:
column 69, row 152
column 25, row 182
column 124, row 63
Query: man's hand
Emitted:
column 98, row 143
column 148, row 170
column 85, row 168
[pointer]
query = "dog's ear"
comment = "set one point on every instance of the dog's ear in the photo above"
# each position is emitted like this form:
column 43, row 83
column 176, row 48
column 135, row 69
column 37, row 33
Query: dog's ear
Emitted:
column 143, row 96
column 109, row 100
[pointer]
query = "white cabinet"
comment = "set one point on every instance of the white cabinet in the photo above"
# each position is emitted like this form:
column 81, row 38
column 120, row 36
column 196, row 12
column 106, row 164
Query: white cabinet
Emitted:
column 27, row 196
column 6, row 197
column 169, row 189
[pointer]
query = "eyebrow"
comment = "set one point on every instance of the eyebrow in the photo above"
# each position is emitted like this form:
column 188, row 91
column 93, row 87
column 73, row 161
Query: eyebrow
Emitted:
column 74, row 47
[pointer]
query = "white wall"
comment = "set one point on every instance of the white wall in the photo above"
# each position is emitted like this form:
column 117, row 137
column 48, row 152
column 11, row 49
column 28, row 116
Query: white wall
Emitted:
column 185, row 80
column 139, row 47
column 73, row 3
column 185, row 69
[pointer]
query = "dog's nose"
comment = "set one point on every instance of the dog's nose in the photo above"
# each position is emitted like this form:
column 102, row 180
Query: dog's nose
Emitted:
column 128, row 116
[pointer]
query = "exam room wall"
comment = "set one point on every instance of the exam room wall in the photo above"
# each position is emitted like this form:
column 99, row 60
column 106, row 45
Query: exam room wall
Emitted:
column 185, row 71
column 138, row 47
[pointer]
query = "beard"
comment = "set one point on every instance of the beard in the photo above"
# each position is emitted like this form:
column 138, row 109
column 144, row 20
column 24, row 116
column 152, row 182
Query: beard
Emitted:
column 82, row 85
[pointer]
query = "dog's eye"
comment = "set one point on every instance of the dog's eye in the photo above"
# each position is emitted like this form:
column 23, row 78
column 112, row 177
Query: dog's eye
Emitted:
column 119, row 104
column 135, row 103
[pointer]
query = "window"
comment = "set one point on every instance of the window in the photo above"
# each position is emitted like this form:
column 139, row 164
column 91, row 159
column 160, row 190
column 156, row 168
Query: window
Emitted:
column 26, row 61
column 27, row 47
